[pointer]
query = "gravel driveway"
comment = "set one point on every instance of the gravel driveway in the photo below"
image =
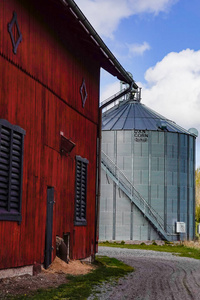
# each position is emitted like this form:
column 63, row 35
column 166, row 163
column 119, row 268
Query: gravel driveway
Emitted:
column 157, row 276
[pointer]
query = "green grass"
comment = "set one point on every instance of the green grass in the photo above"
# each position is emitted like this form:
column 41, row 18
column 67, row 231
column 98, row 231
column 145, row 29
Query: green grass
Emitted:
column 80, row 287
column 179, row 250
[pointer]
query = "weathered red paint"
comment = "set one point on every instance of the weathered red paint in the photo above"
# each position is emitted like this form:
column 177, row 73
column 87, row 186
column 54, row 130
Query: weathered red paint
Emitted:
column 40, row 91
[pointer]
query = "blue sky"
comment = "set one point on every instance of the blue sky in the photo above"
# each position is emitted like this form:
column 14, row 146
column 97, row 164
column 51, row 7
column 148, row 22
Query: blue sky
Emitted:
column 158, row 41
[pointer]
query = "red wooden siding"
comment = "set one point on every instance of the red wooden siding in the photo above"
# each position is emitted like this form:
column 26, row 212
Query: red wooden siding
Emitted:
column 42, row 55
column 39, row 91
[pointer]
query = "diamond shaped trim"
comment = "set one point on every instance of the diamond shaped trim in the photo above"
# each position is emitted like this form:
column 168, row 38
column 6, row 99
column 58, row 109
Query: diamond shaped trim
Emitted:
column 17, row 33
column 83, row 93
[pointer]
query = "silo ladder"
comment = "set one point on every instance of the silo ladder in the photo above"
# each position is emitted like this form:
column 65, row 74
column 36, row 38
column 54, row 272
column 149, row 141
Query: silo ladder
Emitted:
column 130, row 191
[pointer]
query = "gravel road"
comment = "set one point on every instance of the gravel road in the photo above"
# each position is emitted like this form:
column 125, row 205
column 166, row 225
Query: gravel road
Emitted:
column 157, row 276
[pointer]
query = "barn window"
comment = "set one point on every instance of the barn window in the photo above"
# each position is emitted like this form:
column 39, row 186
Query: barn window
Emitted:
column 81, row 190
column 11, row 165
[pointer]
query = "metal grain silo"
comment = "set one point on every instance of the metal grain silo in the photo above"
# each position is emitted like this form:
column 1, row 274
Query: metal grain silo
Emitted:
column 147, row 178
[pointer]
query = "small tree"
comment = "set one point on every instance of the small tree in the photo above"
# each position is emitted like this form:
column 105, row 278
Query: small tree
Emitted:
column 197, row 213
column 197, row 195
column 197, row 183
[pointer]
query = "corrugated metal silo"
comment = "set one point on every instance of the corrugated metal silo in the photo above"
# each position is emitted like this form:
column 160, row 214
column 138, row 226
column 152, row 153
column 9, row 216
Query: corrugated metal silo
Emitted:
column 148, row 166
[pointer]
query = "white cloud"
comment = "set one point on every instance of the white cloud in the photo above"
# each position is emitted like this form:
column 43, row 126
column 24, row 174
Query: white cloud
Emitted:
column 105, row 15
column 151, row 6
column 110, row 90
column 173, row 89
column 138, row 49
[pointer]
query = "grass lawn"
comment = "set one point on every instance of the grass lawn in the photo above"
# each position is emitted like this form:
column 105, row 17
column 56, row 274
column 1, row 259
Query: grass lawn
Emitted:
column 179, row 250
column 80, row 287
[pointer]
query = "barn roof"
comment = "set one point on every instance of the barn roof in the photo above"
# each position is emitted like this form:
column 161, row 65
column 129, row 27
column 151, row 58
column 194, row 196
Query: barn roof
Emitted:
column 65, row 15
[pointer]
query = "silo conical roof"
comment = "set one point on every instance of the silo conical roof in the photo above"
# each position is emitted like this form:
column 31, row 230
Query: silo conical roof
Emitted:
column 129, row 115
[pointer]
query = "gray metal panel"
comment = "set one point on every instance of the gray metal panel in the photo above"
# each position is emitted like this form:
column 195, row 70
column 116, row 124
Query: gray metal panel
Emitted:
column 127, row 162
column 158, row 164
column 105, row 232
column 104, row 147
column 127, row 173
column 145, row 149
column 110, row 151
column 144, row 233
column 172, row 164
column 172, row 192
column 119, row 218
column 161, row 169
column 120, row 162
column 136, row 176
column 124, row 150
column 127, row 136
column 123, row 203
column 106, row 204
column 154, row 235
column 169, row 178
column 138, row 218
column 145, row 176
column 158, row 205
column 141, row 163
column 157, row 150
column 123, row 232
column 137, row 149
column 157, row 177
column 108, row 136
column 143, row 190
column 107, row 191
column 106, row 218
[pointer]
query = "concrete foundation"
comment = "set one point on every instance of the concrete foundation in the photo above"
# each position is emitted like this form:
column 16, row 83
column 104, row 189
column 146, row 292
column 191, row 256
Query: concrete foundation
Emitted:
column 28, row 270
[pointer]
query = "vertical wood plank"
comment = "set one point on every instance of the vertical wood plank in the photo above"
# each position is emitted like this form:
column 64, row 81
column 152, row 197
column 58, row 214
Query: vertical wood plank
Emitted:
column 40, row 91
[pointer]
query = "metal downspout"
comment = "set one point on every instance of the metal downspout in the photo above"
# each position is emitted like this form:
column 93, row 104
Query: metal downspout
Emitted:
column 99, row 156
column 98, row 184
column 126, row 77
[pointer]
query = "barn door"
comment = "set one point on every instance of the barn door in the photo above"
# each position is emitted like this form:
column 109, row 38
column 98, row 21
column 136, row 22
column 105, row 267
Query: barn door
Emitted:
column 49, row 227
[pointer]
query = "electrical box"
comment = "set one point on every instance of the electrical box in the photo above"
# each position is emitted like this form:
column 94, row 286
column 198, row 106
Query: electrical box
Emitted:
column 180, row 227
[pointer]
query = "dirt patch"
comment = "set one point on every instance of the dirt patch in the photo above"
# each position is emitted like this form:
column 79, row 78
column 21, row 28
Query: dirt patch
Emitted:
column 54, row 276
column 74, row 267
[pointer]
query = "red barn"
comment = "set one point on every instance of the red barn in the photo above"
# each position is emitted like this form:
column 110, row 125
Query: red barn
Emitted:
column 50, row 60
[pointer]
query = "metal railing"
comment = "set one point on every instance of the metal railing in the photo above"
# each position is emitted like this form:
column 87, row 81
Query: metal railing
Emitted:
column 127, row 187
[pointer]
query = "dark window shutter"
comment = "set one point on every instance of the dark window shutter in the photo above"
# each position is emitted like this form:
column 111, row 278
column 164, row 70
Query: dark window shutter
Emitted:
column 11, row 166
column 4, row 167
column 16, row 171
column 81, row 190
